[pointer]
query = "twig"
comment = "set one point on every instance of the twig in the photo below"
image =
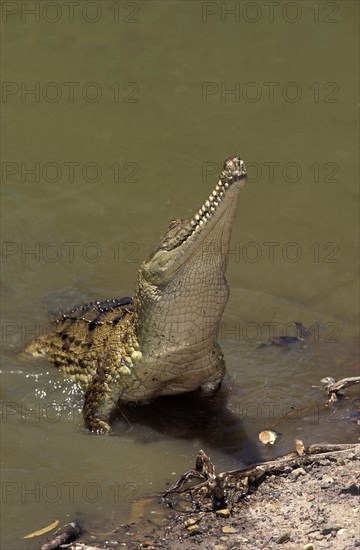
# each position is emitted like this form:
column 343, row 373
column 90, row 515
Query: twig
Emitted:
column 335, row 387
column 73, row 532
column 252, row 475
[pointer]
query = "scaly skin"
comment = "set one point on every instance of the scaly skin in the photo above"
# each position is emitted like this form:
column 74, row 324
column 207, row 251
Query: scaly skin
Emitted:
column 163, row 342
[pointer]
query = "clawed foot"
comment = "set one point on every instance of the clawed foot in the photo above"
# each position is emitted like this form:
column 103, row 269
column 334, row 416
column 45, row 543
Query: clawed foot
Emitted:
column 98, row 426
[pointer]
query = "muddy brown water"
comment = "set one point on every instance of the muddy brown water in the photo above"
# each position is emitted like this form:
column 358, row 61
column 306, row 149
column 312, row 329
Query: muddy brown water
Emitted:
column 134, row 106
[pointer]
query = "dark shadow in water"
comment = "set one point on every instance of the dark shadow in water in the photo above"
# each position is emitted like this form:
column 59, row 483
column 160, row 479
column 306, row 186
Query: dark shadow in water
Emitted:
column 194, row 416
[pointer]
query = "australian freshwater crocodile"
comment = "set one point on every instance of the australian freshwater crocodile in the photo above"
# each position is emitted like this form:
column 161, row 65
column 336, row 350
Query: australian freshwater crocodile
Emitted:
column 164, row 341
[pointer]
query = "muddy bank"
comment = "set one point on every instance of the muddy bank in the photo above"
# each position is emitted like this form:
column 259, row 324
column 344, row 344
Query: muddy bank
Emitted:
column 306, row 506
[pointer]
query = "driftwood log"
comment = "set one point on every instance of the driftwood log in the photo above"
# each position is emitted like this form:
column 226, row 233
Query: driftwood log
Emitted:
column 214, row 485
column 335, row 387
column 72, row 533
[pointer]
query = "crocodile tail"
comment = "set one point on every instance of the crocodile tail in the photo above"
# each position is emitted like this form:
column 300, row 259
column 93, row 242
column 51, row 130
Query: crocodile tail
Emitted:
column 37, row 347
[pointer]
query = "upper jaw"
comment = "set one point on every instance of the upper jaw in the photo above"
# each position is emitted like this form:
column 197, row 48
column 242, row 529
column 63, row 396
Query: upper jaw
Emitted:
column 184, row 236
column 233, row 170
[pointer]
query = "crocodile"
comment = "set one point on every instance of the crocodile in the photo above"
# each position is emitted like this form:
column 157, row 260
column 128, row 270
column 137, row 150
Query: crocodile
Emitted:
column 164, row 340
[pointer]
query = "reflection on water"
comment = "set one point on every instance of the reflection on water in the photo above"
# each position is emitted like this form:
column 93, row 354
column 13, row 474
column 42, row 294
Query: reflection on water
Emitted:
column 90, row 186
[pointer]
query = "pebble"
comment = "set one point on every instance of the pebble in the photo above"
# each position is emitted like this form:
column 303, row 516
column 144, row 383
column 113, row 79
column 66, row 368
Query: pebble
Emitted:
column 340, row 461
column 224, row 513
column 194, row 529
column 297, row 473
column 328, row 479
column 191, row 521
column 351, row 456
column 327, row 380
column 328, row 528
column 283, row 538
column 229, row 530
column 308, row 546
column 219, row 547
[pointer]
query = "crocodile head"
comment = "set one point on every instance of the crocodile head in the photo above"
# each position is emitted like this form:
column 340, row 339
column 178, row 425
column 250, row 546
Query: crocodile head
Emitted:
column 182, row 290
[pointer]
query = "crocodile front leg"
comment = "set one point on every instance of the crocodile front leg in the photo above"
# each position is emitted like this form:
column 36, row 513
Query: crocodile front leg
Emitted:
column 106, row 388
column 98, row 403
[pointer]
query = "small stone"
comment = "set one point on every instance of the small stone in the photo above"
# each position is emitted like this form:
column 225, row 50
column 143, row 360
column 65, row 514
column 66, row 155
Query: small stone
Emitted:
column 219, row 547
column 340, row 461
column 328, row 528
column 190, row 522
column 325, row 485
column 308, row 546
column 194, row 529
column 224, row 539
column 341, row 531
column 283, row 538
column 229, row 530
column 328, row 479
column 311, row 498
column 224, row 513
column 297, row 473
column 319, row 536
column 327, row 380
